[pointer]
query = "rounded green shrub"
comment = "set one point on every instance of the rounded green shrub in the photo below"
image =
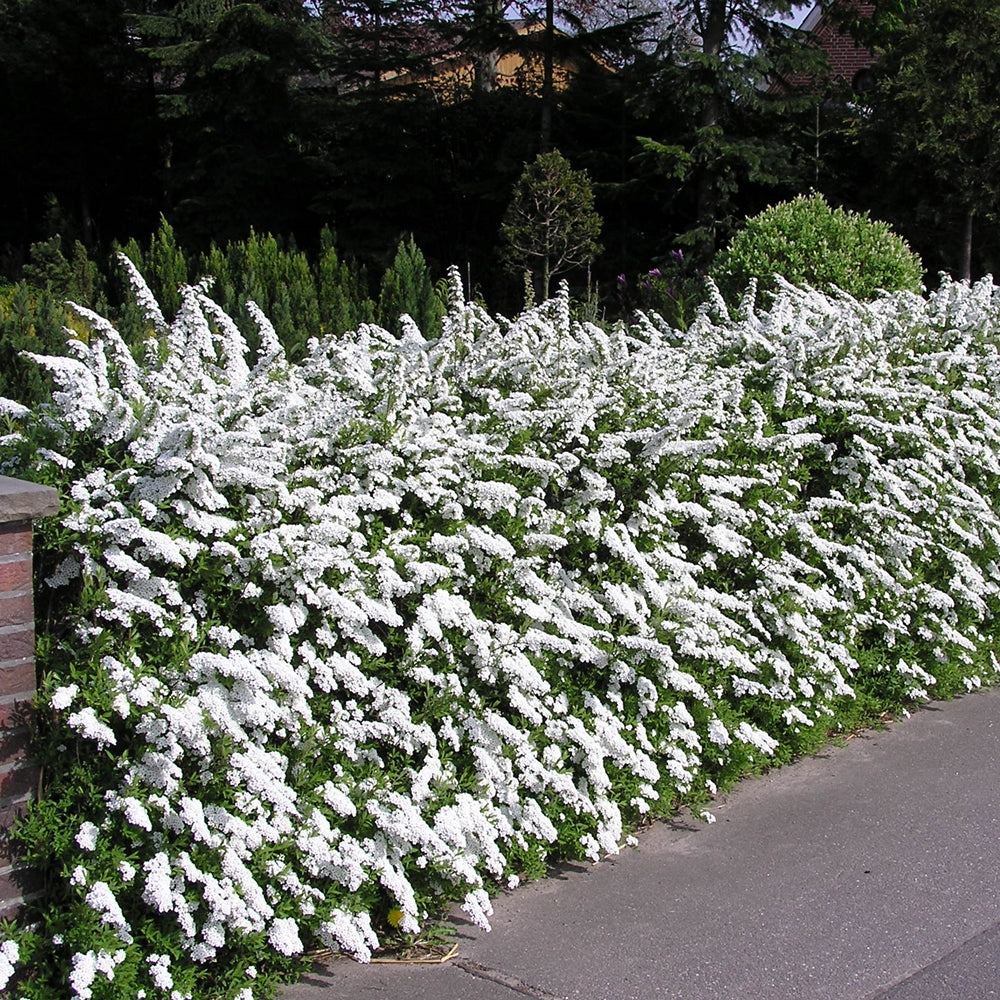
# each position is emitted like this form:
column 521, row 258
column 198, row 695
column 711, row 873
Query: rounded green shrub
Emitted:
column 809, row 243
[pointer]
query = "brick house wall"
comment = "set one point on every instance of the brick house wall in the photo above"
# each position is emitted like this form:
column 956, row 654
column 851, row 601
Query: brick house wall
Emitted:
column 20, row 504
column 847, row 58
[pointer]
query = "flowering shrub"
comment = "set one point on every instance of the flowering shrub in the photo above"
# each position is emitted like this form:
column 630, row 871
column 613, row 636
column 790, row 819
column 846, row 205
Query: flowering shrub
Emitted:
column 395, row 625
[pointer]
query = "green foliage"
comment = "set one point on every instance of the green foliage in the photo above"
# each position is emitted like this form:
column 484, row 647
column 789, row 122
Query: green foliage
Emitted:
column 934, row 108
column 550, row 223
column 167, row 262
column 729, row 134
column 672, row 290
column 407, row 288
column 807, row 242
column 75, row 277
column 278, row 279
column 35, row 317
column 31, row 319
column 342, row 288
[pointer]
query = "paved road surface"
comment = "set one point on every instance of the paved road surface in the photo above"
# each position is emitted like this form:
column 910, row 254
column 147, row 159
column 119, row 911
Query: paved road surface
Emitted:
column 868, row 872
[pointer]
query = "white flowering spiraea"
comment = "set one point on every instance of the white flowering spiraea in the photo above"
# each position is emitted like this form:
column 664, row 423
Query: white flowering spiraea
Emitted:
column 9, row 954
column 386, row 626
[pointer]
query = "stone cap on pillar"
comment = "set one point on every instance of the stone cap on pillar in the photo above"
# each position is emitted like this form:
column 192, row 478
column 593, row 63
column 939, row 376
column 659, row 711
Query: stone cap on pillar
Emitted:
column 23, row 501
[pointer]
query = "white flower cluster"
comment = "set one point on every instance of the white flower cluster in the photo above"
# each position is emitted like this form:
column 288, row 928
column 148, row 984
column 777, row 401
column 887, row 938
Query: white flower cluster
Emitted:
column 9, row 954
column 378, row 625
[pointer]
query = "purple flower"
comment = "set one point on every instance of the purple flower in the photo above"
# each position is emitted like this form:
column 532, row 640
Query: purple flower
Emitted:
column 655, row 273
column 677, row 255
column 621, row 279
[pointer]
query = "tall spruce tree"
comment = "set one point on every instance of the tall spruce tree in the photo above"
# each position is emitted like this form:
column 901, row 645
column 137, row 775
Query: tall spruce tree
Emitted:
column 232, row 82
column 78, row 150
column 934, row 109
column 729, row 65
column 379, row 40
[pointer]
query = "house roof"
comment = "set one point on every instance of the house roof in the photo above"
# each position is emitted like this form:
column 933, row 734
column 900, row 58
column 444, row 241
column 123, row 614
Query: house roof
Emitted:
column 811, row 21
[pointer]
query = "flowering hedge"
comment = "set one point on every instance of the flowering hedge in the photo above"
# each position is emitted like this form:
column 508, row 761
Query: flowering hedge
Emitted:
column 400, row 623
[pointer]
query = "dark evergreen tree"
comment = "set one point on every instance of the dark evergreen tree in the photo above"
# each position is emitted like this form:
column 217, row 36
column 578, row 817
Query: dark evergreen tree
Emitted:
column 378, row 41
column 342, row 289
column 278, row 278
column 408, row 288
column 76, row 124
column 236, row 86
column 734, row 86
column 933, row 113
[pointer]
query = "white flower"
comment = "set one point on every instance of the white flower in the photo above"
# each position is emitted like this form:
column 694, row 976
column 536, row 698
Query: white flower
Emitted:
column 63, row 697
column 157, row 892
column 102, row 899
column 9, row 954
column 86, row 723
column 718, row 733
column 283, row 936
column 135, row 812
column 84, row 969
column 86, row 837
column 478, row 906
column 159, row 971
column 349, row 932
column 756, row 737
column 11, row 408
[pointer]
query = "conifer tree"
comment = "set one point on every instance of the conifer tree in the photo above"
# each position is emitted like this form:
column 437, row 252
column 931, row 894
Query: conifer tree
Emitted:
column 236, row 131
column 407, row 288
column 344, row 302
column 31, row 319
column 935, row 107
column 721, row 72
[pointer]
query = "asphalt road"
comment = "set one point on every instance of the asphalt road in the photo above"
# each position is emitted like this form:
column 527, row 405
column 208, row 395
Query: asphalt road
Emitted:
column 868, row 872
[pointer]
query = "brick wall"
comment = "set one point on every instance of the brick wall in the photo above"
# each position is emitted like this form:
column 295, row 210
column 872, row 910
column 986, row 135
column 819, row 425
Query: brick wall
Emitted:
column 846, row 56
column 20, row 504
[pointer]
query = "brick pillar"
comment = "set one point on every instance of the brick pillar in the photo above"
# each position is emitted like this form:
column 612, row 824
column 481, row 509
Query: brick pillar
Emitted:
column 20, row 504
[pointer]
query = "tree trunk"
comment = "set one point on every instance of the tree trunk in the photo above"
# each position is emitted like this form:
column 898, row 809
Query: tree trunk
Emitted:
column 548, row 87
column 484, row 68
column 485, row 57
column 965, row 254
column 714, row 27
